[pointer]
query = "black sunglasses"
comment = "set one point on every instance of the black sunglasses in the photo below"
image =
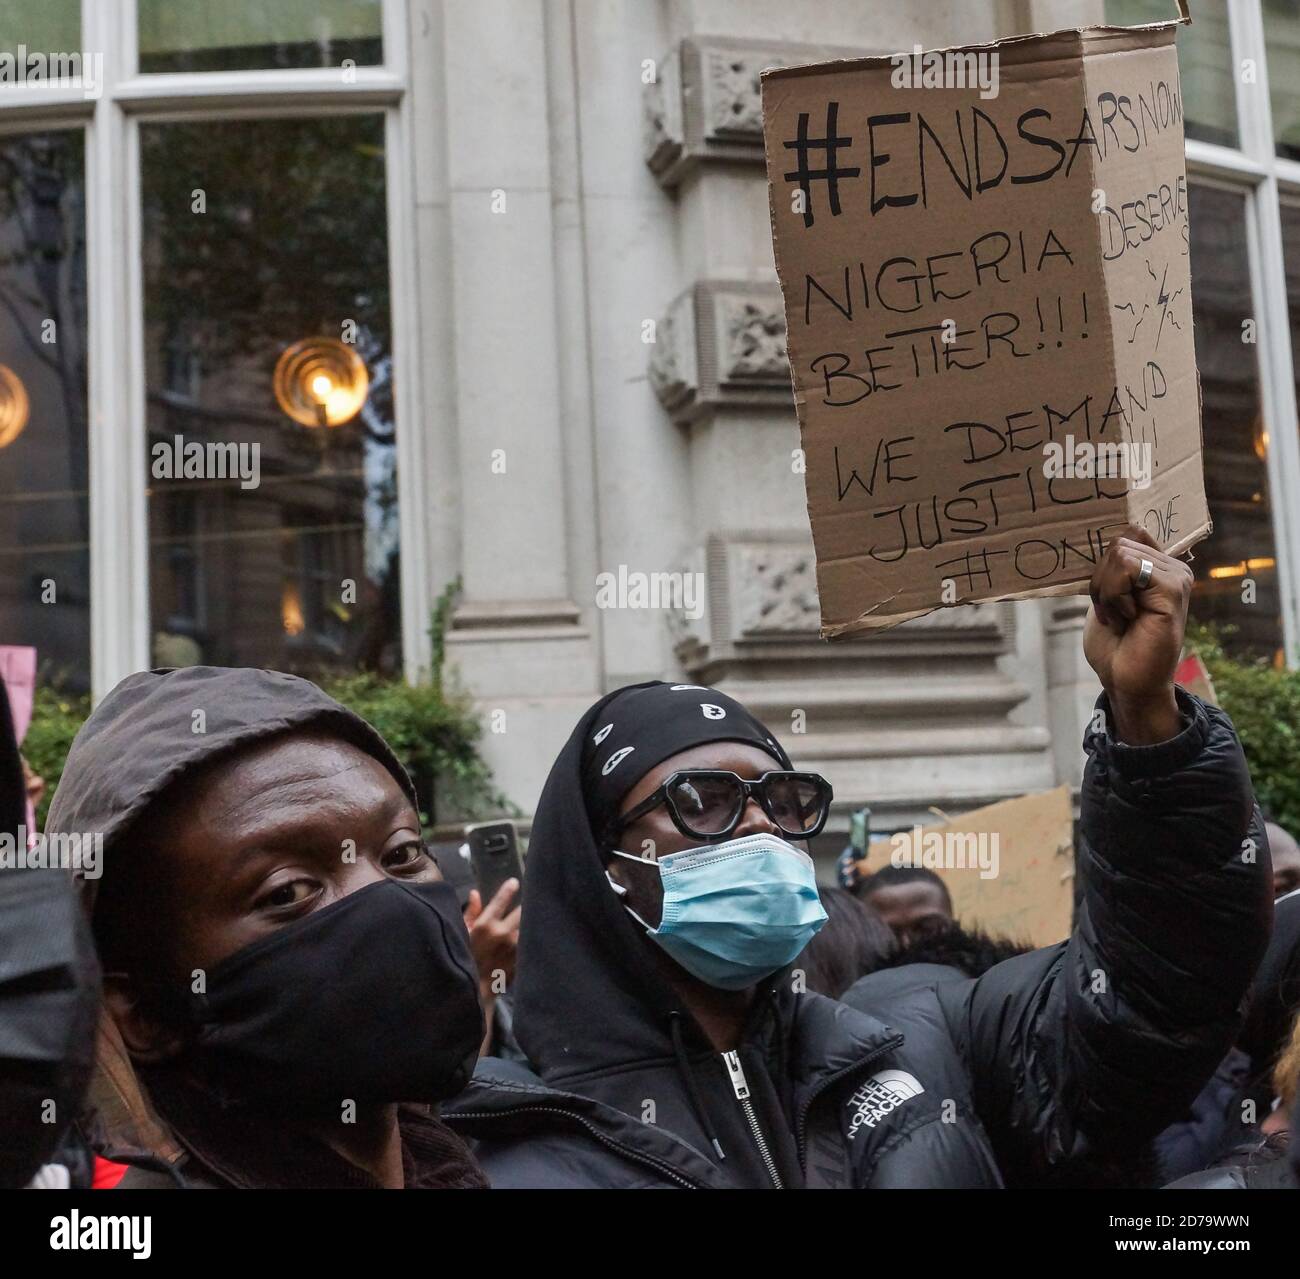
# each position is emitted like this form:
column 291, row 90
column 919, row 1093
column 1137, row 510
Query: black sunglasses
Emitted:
column 707, row 803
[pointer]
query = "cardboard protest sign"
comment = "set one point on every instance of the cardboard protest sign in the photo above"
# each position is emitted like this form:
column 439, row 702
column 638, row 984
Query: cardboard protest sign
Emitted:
column 1009, row 867
column 18, row 670
column 984, row 259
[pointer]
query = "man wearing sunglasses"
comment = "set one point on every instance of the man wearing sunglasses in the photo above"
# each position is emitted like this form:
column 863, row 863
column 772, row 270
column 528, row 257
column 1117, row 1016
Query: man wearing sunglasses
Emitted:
column 669, row 892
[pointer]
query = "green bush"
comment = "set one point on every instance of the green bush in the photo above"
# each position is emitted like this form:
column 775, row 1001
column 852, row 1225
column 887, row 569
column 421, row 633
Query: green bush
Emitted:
column 56, row 716
column 435, row 735
column 1265, row 706
column 432, row 730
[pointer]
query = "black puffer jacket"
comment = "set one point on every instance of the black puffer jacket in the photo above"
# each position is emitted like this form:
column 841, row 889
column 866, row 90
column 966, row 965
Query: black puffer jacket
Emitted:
column 1052, row 1063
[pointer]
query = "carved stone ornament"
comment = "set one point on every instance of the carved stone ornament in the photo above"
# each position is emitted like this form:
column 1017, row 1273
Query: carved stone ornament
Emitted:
column 706, row 102
column 721, row 343
column 753, row 338
column 770, row 591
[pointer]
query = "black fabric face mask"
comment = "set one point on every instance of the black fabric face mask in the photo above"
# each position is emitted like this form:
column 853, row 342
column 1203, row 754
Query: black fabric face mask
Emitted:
column 371, row 999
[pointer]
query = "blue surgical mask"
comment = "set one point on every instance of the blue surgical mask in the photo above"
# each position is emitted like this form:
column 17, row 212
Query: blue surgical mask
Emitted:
column 737, row 911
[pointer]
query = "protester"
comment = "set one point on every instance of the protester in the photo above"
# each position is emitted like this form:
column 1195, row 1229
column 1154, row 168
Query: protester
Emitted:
column 494, row 943
column 917, row 906
column 1293, row 1147
column 1272, row 1008
column 1258, row 1161
column 912, row 900
column 1254, row 1165
column 967, row 952
column 1286, row 858
column 855, row 941
column 49, row 995
column 493, row 939
column 283, row 964
column 1227, row 1114
column 1286, row 1084
column 1216, row 1120
column 671, row 1048
column 33, row 785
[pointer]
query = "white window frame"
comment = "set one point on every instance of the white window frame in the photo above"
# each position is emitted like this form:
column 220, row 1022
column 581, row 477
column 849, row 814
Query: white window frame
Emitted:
column 119, row 554
column 1254, row 168
column 119, row 538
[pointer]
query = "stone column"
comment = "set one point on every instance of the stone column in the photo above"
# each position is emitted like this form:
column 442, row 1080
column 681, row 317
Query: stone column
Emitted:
column 1072, row 687
column 633, row 238
column 517, row 639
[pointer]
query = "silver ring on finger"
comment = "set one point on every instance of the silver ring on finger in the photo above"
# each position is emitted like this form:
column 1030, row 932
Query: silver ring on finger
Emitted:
column 1145, row 569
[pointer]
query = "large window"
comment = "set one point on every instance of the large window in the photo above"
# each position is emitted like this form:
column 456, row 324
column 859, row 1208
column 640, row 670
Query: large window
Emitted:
column 1282, row 34
column 1241, row 551
column 207, row 223
column 44, row 512
column 1204, row 63
column 245, row 35
column 289, row 560
column 1239, row 62
column 202, row 439
column 40, row 25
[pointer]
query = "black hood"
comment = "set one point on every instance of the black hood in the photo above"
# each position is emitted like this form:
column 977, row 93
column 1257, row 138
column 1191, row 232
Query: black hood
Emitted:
column 139, row 741
column 608, row 1035
column 587, row 994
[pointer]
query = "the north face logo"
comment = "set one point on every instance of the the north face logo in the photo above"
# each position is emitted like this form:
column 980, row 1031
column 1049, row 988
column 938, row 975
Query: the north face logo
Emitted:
column 882, row 1094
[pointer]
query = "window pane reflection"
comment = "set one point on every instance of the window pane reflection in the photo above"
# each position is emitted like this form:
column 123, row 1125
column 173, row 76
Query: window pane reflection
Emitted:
column 1282, row 42
column 252, row 35
column 44, row 513
column 296, row 567
column 1204, row 63
column 43, row 26
column 1237, row 561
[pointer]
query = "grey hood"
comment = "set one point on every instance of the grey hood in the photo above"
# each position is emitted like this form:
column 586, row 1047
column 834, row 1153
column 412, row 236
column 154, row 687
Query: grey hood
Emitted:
column 158, row 726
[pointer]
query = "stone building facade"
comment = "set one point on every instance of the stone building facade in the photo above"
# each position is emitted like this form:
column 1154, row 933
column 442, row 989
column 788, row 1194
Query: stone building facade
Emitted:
column 548, row 221
column 657, row 418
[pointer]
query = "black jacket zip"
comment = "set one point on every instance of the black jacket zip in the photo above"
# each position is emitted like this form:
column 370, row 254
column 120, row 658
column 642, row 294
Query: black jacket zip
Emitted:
column 630, row 1152
column 667, row 1170
column 740, row 1087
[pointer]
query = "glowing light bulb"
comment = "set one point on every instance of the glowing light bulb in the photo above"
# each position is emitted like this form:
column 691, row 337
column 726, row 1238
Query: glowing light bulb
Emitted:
column 14, row 406
column 291, row 617
column 321, row 382
column 339, row 405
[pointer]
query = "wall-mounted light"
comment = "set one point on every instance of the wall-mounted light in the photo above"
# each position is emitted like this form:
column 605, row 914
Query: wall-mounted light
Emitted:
column 321, row 382
column 1243, row 567
column 291, row 610
column 1260, row 440
column 14, row 406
